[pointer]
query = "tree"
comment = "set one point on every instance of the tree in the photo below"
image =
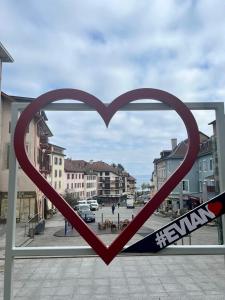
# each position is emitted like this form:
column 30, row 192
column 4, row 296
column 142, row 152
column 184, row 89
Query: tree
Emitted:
column 145, row 186
column 70, row 199
column 120, row 167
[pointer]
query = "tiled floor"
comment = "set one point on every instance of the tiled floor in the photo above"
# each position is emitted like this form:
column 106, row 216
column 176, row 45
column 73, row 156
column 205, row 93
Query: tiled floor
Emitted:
column 183, row 277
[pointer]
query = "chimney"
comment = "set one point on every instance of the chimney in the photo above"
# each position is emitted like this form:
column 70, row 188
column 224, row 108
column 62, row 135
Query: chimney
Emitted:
column 173, row 143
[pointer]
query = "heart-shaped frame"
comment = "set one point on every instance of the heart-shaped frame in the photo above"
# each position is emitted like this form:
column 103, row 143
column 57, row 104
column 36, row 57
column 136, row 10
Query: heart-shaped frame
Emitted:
column 106, row 112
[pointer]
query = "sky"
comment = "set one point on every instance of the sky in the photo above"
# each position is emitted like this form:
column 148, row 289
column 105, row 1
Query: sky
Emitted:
column 107, row 48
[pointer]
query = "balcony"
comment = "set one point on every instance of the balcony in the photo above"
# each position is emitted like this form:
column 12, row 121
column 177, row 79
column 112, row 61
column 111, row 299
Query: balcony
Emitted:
column 44, row 142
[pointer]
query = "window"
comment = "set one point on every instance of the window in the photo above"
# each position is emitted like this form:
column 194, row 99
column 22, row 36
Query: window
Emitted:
column 79, row 176
column 68, row 176
column 55, row 173
column 60, row 161
column 9, row 127
column 59, row 184
column 55, row 185
column 200, row 166
column 82, row 176
column 56, row 160
column 67, row 186
column 205, row 165
column 72, row 176
column 106, row 173
column 71, row 185
column 185, row 185
column 200, row 186
column 211, row 164
column 60, row 173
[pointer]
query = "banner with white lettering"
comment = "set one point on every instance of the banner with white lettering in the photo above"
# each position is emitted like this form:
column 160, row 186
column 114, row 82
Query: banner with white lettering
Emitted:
column 181, row 226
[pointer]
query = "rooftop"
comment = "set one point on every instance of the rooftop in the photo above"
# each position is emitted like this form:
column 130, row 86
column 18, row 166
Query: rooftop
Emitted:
column 4, row 54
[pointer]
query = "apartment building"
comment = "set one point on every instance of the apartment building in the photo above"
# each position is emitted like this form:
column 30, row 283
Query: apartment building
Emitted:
column 131, row 185
column 30, row 200
column 128, row 184
column 56, row 160
column 80, row 179
column 97, row 179
column 198, row 185
column 110, row 181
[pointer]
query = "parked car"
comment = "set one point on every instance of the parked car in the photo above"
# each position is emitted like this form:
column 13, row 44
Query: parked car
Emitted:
column 83, row 207
column 82, row 202
column 79, row 203
column 93, row 204
column 87, row 215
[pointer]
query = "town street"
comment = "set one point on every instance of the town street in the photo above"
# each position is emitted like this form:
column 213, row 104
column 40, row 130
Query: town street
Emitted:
column 55, row 228
column 132, row 277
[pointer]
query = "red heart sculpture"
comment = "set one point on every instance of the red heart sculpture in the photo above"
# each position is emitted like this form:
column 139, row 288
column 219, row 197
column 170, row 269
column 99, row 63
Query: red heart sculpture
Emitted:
column 106, row 112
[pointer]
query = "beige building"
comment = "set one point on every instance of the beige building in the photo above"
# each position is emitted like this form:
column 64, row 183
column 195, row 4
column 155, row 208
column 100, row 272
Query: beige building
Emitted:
column 110, row 181
column 30, row 200
column 80, row 180
column 56, row 176
column 131, row 185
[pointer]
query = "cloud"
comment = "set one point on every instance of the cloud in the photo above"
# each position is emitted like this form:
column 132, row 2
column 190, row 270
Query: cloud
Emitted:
column 107, row 48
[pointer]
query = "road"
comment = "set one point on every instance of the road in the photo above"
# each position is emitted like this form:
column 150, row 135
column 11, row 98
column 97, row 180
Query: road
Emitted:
column 55, row 226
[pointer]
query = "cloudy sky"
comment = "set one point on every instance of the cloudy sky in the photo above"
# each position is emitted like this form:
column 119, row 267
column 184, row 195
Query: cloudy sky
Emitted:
column 107, row 48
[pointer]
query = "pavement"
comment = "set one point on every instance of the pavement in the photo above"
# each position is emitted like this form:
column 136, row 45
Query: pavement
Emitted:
column 132, row 277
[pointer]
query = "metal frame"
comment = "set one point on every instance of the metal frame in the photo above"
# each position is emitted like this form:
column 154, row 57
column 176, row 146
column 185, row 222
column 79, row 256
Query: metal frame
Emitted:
column 12, row 252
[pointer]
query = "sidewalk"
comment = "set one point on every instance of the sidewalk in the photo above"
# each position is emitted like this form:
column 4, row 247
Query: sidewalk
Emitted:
column 149, row 277
column 189, row 277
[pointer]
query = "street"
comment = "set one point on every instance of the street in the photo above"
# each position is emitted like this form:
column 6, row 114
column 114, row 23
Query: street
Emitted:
column 148, row 278
column 54, row 234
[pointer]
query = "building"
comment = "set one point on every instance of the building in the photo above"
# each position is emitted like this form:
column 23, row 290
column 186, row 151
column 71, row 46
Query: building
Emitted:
column 197, row 186
column 56, row 161
column 80, row 179
column 131, row 185
column 110, row 181
column 128, row 184
column 30, row 200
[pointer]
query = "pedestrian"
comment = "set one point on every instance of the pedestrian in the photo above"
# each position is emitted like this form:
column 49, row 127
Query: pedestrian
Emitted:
column 118, row 204
column 113, row 208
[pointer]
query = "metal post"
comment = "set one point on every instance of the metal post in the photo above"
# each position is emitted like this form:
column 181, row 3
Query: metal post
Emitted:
column 65, row 228
column 11, row 213
column 220, row 126
column 181, row 196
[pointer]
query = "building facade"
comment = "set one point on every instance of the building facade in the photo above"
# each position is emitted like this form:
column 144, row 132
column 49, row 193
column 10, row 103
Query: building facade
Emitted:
column 197, row 186
column 80, row 180
column 30, row 200
column 86, row 180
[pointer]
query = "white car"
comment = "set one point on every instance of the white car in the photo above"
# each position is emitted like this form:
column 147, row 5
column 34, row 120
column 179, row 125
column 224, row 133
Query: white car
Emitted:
column 81, row 202
column 93, row 204
column 83, row 207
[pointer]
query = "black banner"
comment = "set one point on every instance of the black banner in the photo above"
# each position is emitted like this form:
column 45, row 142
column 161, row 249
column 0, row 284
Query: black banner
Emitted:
column 181, row 226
